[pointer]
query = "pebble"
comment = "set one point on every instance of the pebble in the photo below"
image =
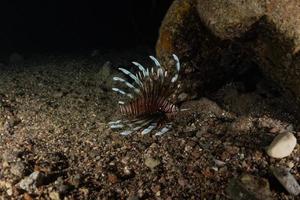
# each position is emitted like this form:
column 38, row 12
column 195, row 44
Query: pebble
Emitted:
column 27, row 196
column 151, row 162
column 58, row 94
column 112, row 178
column 282, row 146
column 54, row 196
column 75, row 180
column 219, row 163
column 18, row 169
column 290, row 164
column 9, row 192
column 182, row 97
column 286, row 179
column 182, row 182
column 10, row 156
column 31, row 182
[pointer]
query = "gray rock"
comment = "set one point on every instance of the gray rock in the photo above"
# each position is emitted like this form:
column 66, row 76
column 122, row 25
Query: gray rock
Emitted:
column 10, row 156
column 18, row 169
column 31, row 182
column 286, row 179
column 248, row 187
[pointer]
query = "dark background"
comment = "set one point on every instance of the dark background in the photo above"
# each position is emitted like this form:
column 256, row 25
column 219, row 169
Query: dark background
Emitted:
column 76, row 25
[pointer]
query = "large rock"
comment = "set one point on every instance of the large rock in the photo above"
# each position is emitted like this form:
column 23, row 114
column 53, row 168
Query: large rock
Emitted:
column 215, row 38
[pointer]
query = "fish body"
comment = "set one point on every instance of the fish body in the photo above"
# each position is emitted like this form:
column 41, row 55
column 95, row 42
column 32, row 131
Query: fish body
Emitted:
column 147, row 104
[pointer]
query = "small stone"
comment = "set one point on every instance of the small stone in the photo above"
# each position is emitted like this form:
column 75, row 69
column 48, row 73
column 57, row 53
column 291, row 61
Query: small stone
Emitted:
column 112, row 178
column 155, row 188
column 215, row 169
column 182, row 97
column 151, row 162
column 219, row 163
column 27, row 196
column 286, row 179
column 191, row 128
column 182, row 182
column 243, row 124
column 282, row 146
column 290, row 164
column 9, row 191
column 58, row 94
column 127, row 170
column 84, row 191
column 54, row 196
column 63, row 188
column 10, row 156
column 133, row 197
column 75, row 180
column 18, row 169
column 195, row 153
column 31, row 182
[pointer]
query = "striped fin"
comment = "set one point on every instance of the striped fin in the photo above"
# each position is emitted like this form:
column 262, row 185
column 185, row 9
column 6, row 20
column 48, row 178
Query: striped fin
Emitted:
column 122, row 92
column 160, row 72
column 141, row 68
column 175, row 77
column 125, row 71
column 177, row 62
column 149, row 128
column 127, row 132
column 164, row 130
column 121, row 102
column 127, row 84
column 116, row 126
column 138, row 122
column 114, row 122
column 155, row 61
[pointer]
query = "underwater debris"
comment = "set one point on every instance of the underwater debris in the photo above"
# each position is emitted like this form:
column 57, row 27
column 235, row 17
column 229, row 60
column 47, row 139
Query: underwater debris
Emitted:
column 149, row 106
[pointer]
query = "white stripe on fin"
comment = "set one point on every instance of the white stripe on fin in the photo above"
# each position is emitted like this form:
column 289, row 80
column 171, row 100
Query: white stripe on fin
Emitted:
column 160, row 72
column 123, row 81
column 119, row 91
column 141, row 68
column 116, row 126
column 163, row 130
column 177, row 62
column 121, row 102
column 127, row 84
column 122, row 92
column 149, row 128
column 155, row 61
column 125, row 71
column 127, row 132
column 174, row 79
column 114, row 122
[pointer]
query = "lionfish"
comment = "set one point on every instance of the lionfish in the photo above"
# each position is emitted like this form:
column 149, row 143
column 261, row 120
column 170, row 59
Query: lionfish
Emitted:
column 149, row 106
